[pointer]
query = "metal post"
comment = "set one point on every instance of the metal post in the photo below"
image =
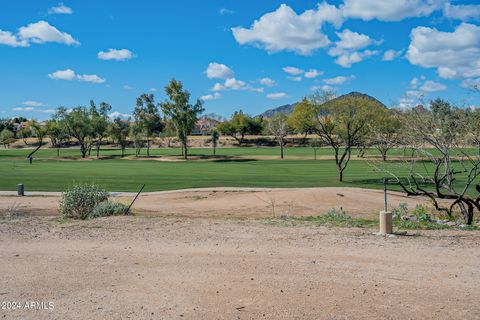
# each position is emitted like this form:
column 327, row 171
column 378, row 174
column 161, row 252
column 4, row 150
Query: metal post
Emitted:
column 385, row 194
column 20, row 190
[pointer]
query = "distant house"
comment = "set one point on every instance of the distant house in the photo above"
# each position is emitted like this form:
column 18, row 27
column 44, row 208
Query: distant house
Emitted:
column 204, row 126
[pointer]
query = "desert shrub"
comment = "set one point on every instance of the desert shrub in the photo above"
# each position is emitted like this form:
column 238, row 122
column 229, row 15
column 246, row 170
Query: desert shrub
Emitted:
column 338, row 215
column 400, row 211
column 109, row 208
column 79, row 200
column 421, row 213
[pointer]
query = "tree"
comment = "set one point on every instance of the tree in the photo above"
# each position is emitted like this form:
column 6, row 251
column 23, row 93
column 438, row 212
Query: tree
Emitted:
column 168, row 133
column 302, row 118
column 342, row 123
column 25, row 132
column 6, row 137
column 78, row 124
column 473, row 124
column 100, row 122
column 214, row 135
column 119, row 131
column 239, row 126
column 179, row 110
column 277, row 126
column 146, row 115
column 39, row 131
column 385, row 131
column 57, row 134
column 136, row 131
column 449, row 173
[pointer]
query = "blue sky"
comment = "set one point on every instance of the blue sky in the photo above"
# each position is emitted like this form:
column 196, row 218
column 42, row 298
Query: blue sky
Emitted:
column 249, row 55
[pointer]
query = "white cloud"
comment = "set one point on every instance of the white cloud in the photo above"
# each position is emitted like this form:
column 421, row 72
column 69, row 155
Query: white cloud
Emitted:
column 9, row 39
column 455, row 54
column 432, row 86
column 127, row 87
column 294, row 71
column 236, row 85
column 338, row 80
column 116, row 114
column 153, row 89
column 93, row 78
column 116, row 54
column 346, row 49
column 390, row 10
column 462, row 12
column 471, row 84
column 296, row 79
column 322, row 88
column 414, row 83
column 277, row 95
column 42, row 32
column 213, row 96
column 284, row 29
column 33, row 109
column 31, row 103
column 313, row 73
column 60, row 9
column 218, row 71
column 267, row 82
column 391, row 55
column 67, row 74
column 226, row 11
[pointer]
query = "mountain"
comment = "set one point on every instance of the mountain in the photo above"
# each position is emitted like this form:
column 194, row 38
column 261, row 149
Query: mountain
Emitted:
column 288, row 108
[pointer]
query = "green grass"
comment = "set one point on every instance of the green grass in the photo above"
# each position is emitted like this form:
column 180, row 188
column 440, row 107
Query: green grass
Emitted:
column 351, row 222
column 50, row 174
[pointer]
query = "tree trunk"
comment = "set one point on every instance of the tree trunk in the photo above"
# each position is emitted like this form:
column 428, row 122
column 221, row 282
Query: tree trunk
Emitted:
column 148, row 146
column 340, row 175
column 384, row 156
column 281, row 149
column 58, row 152
column 185, row 147
column 314, row 154
column 98, row 149
column 123, row 151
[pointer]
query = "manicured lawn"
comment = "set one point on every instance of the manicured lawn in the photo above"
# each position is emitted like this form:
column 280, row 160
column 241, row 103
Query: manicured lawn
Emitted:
column 47, row 174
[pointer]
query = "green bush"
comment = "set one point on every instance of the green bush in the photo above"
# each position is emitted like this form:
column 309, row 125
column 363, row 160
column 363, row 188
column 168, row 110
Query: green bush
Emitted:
column 421, row 213
column 79, row 200
column 337, row 215
column 109, row 208
column 400, row 212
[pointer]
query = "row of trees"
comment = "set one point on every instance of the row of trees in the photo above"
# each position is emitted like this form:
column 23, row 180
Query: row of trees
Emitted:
column 89, row 127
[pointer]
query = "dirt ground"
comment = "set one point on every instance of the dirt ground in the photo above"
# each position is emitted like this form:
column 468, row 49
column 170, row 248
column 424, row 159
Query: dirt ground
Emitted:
column 232, row 202
column 212, row 268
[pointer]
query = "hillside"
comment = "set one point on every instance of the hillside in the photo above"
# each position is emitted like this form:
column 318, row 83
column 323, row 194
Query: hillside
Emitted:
column 288, row 108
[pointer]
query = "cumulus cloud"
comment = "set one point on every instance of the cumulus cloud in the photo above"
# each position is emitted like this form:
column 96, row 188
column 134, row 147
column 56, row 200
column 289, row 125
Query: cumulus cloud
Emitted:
column 60, row 9
column 93, row 78
column 127, row 87
column 346, row 48
column 284, row 29
column 454, row 54
column 9, row 39
column 391, row 55
column 432, row 86
column 294, row 71
column 214, row 96
column 116, row 54
column 462, row 12
column 277, row 95
column 312, row 73
column 471, row 84
column 338, row 80
column 390, row 10
column 296, row 79
column 267, row 82
column 235, row 85
column 325, row 87
column 69, row 74
column 42, row 32
column 218, row 71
